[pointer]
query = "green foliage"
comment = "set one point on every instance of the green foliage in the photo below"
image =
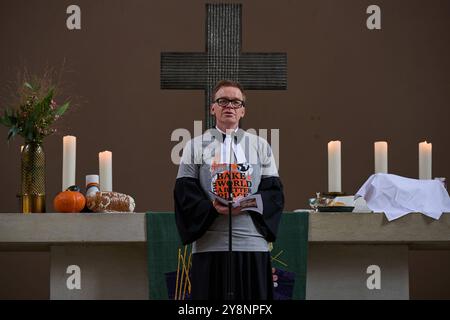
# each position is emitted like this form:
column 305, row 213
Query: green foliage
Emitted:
column 36, row 113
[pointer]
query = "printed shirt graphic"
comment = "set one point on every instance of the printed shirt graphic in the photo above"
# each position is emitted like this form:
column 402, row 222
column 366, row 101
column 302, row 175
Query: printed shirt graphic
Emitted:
column 241, row 179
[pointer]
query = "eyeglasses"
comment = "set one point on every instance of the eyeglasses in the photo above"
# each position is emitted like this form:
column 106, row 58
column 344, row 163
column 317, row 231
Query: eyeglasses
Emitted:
column 235, row 104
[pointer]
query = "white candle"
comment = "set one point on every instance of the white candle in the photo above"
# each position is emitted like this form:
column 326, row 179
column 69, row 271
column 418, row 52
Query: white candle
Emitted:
column 425, row 151
column 105, row 166
column 92, row 184
column 381, row 157
column 21, row 148
column 334, row 166
column 69, row 161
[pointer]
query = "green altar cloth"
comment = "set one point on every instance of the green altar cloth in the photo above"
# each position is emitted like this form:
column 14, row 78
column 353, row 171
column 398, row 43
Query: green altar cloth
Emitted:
column 289, row 252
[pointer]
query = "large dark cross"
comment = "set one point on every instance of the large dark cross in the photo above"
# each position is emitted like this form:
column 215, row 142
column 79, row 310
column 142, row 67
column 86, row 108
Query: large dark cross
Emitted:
column 223, row 60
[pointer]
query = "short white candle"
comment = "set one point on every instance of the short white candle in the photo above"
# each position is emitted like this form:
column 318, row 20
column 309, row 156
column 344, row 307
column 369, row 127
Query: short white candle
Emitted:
column 381, row 157
column 105, row 166
column 425, row 160
column 334, row 166
column 69, row 161
column 92, row 184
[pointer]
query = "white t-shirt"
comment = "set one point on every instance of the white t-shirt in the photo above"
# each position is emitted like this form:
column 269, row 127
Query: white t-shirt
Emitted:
column 203, row 158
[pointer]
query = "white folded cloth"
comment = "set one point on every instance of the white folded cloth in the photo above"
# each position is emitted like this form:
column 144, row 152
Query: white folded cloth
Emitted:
column 397, row 196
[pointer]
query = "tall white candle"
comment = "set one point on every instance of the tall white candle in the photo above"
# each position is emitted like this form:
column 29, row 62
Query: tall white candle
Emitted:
column 381, row 157
column 425, row 162
column 105, row 166
column 69, row 161
column 334, row 166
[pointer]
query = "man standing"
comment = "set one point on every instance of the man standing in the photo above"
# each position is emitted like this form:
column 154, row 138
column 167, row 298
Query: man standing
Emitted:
column 202, row 220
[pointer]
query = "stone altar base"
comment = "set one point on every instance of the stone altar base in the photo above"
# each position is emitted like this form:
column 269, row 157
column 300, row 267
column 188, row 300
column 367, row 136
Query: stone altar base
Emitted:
column 341, row 272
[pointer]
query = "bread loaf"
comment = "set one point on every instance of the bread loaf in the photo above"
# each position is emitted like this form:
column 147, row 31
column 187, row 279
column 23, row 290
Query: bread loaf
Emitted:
column 110, row 202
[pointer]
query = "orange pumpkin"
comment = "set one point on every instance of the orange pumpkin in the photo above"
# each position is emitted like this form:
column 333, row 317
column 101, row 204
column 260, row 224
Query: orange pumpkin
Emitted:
column 69, row 201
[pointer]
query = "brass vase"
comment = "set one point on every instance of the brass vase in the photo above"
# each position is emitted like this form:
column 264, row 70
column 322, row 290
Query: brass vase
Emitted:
column 33, row 178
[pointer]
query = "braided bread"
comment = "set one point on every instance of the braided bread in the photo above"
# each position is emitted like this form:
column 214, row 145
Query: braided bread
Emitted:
column 110, row 202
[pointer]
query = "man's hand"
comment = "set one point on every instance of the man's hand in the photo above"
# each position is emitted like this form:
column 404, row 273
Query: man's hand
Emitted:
column 222, row 209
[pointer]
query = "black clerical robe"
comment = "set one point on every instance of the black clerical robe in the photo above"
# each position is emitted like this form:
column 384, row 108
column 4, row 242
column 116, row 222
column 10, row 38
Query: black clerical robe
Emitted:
column 195, row 214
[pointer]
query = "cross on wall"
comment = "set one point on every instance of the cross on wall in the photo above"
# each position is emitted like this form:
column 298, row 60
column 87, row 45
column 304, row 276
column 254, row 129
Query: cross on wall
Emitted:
column 223, row 59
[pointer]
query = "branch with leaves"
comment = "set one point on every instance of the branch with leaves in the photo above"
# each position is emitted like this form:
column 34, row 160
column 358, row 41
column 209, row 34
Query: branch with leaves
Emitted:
column 36, row 113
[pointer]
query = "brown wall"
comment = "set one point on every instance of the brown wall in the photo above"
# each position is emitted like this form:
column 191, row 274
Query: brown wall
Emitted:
column 344, row 82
